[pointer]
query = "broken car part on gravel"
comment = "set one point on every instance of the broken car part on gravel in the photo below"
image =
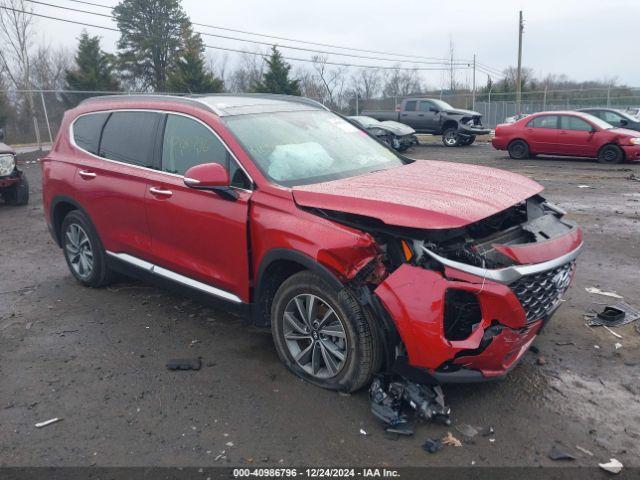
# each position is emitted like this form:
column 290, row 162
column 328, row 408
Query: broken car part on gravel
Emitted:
column 392, row 398
column 184, row 364
column 615, row 315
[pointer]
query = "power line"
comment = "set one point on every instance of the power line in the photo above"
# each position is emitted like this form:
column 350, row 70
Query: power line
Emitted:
column 216, row 27
column 226, row 37
column 379, row 67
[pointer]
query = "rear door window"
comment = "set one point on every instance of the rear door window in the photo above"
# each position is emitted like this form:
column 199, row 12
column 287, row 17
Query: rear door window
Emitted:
column 129, row 137
column 87, row 130
column 410, row 106
column 544, row 121
column 574, row 123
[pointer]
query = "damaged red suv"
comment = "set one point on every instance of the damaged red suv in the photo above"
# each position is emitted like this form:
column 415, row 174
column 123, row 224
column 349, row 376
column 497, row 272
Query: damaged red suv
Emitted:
column 357, row 258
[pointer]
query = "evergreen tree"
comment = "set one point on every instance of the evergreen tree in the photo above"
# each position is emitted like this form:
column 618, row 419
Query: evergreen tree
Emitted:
column 276, row 78
column 93, row 72
column 150, row 40
column 189, row 74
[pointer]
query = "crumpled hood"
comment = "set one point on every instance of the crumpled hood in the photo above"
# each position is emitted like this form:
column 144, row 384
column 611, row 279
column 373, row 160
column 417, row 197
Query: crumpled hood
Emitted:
column 4, row 148
column 425, row 194
column 397, row 128
column 466, row 113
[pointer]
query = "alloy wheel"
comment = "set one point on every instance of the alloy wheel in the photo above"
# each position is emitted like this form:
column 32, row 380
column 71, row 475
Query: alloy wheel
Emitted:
column 451, row 138
column 78, row 250
column 315, row 336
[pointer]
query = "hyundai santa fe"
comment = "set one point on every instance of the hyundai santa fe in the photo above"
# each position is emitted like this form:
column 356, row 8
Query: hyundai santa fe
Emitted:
column 358, row 259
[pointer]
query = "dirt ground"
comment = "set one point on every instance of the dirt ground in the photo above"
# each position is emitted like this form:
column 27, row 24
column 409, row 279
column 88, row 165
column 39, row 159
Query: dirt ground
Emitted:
column 96, row 359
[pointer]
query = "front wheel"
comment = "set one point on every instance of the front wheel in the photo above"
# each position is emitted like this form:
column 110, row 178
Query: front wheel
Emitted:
column 610, row 154
column 322, row 335
column 450, row 137
column 519, row 150
column 469, row 140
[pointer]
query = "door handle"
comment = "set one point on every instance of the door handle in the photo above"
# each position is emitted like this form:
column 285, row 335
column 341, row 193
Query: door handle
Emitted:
column 159, row 192
column 86, row 174
column 421, row 114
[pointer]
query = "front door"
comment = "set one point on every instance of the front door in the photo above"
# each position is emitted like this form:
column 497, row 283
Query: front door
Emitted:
column 577, row 137
column 198, row 234
column 430, row 116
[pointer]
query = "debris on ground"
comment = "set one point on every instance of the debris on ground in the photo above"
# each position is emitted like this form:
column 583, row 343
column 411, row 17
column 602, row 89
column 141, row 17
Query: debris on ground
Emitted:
column 184, row 364
column 615, row 315
column 584, row 450
column 467, row 430
column 363, row 432
column 47, row 422
column 613, row 466
column 565, row 344
column 534, row 349
column 617, row 345
column 557, row 454
column 392, row 398
column 585, row 186
column 450, row 440
column 487, row 431
column 432, row 446
column 541, row 361
column 634, row 177
column 597, row 291
column 405, row 429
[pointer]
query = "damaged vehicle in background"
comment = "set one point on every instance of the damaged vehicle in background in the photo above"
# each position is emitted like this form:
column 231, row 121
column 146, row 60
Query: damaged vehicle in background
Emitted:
column 14, row 187
column 360, row 260
column 396, row 135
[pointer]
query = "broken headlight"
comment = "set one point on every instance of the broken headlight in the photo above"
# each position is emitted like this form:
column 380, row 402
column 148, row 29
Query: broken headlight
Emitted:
column 7, row 164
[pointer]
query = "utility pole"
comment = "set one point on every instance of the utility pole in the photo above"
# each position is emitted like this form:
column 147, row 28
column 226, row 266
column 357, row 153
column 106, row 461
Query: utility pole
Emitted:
column 519, row 74
column 452, row 78
column 473, row 93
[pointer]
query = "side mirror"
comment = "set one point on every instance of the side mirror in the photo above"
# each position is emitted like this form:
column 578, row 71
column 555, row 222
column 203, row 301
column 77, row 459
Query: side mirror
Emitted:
column 1, row 135
column 433, row 109
column 623, row 122
column 210, row 176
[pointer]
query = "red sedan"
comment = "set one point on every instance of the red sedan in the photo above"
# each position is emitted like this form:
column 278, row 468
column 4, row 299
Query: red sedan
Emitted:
column 573, row 134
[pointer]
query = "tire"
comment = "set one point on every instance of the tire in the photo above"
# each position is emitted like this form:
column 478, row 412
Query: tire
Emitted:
column 468, row 141
column 518, row 150
column 610, row 154
column 294, row 336
column 450, row 137
column 83, row 251
column 18, row 194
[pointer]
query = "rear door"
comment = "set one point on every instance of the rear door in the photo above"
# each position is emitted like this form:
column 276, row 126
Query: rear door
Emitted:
column 542, row 134
column 577, row 137
column 117, row 153
column 409, row 114
column 195, row 233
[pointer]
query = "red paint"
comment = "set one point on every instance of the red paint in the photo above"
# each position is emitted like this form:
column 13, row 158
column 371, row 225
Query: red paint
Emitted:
column 562, row 141
column 542, row 251
column 425, row 194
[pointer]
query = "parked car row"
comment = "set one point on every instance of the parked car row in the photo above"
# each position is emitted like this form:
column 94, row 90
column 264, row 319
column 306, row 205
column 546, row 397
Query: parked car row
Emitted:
column 396, row 135
column 571, row 133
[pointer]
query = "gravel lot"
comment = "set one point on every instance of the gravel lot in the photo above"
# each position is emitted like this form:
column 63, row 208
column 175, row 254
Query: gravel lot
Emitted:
column 96, row 359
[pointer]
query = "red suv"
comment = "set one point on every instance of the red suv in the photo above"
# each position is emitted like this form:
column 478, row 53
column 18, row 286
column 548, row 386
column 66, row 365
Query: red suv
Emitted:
column 359, row 259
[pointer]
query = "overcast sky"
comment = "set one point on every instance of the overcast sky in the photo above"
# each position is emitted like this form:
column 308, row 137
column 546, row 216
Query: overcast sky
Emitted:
column 584, row 39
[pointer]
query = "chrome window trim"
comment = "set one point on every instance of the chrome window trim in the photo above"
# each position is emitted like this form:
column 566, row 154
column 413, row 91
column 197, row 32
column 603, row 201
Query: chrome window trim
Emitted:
column 506, row 275
column 176, row 277
column 164, row 112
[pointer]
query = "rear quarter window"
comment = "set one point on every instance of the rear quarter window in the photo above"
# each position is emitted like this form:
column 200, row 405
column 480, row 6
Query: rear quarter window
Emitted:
column 129, row 137
column 87, row 130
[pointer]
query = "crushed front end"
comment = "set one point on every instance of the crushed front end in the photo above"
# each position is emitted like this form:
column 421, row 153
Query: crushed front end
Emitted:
column 468, row 302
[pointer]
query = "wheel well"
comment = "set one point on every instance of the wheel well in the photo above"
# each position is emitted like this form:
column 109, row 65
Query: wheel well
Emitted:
column 449, row 124
column 60, row 211
column 270, row 280
column 518, row 140
column 612, row 145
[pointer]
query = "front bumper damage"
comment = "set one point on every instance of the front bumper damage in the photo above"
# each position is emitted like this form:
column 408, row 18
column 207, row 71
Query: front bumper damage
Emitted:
column 464, row 323
column 466, row 130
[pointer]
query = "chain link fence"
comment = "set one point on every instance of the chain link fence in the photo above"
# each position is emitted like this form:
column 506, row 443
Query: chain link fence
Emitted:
column 34, row 116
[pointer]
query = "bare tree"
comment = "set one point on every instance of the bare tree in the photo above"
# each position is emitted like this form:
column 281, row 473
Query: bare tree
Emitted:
column 16, row 36
column 399, row 83
column 367, row 83
column 247, row 74
column 332, row 79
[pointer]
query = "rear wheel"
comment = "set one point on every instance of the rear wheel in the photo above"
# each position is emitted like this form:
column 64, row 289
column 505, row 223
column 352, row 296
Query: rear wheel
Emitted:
column 83, row 251
column 518, row 150
column 322, row 335
column 450, row 137
column 18, row 194
column 610, row 154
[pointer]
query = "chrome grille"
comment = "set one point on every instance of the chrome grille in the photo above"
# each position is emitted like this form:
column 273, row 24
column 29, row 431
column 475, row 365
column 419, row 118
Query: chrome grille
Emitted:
column 540, row 293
